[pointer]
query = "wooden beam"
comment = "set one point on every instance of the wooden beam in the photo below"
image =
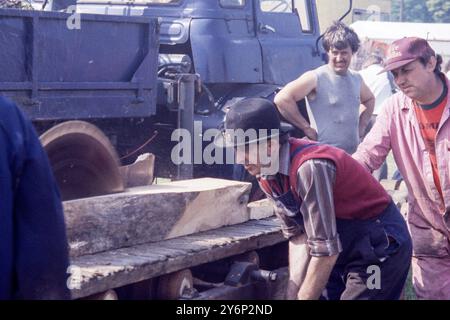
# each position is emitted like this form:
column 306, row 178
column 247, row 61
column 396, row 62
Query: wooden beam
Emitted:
column 139, row 173
column 153, row 213
column 108, row 270
column 260, row 209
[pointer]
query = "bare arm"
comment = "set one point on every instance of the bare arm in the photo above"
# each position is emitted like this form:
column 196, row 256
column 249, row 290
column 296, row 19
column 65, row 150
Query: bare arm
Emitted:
column 298, row 264
column 366, row 108
column 319, row 270
column 286, row 102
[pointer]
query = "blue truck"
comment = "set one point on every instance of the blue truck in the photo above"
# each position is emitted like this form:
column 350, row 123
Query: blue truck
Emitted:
column 124, row 67
column 138, row 67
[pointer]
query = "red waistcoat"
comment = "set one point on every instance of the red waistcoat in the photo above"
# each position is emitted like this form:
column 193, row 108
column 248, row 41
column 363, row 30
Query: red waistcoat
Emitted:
column 356, row 193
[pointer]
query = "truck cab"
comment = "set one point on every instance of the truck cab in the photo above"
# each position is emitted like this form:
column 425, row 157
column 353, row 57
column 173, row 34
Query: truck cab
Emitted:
column 121, row 67
column 239, row 49
column 231, row 41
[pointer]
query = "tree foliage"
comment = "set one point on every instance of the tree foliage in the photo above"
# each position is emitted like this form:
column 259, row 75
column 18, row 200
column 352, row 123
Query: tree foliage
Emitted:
column 421, row 11
column 439, row 10
column 16, row 4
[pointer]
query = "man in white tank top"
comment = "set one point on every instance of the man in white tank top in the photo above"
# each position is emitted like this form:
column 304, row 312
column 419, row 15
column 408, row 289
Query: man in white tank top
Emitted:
column 340, row 103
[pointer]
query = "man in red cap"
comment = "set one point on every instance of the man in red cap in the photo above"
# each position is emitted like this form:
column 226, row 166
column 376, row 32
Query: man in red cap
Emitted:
column 415, row 125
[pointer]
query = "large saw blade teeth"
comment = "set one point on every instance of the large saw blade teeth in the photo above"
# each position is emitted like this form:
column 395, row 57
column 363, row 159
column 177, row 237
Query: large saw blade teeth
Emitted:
column 84, row 162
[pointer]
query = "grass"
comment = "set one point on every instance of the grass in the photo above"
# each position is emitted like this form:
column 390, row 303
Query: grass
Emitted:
column 409, row 290
column 391, row 165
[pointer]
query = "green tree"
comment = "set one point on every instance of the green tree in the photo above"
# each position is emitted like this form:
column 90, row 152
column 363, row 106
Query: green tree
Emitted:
column 413, row 11
column 439, row 10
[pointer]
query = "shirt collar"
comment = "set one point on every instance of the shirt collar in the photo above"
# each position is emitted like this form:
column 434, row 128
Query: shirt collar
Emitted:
column 285, row 160
column 408, row 103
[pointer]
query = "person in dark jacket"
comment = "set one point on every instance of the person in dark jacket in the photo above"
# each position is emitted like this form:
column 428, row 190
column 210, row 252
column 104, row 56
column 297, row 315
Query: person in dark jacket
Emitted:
column 33, row 245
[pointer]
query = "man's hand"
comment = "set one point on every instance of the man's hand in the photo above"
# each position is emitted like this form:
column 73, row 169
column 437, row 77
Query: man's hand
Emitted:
column 311, row 133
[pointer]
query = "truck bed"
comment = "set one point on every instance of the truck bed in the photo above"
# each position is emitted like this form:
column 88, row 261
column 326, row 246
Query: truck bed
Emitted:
column 111, row 269
column 106, row 68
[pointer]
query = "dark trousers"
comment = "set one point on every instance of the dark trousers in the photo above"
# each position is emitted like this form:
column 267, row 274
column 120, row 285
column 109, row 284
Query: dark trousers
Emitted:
column 375, row 260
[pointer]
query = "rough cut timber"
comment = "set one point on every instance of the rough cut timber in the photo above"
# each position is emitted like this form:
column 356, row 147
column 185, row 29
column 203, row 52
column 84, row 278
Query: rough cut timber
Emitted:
column 153, row 213
column 139, row 173
column 92, row 274
column 260, row 209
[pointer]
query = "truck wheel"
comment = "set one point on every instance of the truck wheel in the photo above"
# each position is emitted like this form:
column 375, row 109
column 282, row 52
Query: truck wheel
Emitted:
column 171, row 286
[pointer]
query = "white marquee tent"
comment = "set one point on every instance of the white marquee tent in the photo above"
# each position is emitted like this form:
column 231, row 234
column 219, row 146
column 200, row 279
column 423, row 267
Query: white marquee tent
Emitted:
column 438, row 34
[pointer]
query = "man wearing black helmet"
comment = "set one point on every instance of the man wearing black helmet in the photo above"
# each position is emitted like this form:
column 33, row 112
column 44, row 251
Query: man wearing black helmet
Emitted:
column 341, row 224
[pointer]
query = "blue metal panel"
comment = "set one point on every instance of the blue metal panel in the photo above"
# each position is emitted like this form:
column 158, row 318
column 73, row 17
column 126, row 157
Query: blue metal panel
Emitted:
column 174, row 31
column 174, row 25
column 222, row 40
column 226, row 51
column 175, row 18
column 57, row 73
column 286, row 59
column 13, row 56
column 287, row 51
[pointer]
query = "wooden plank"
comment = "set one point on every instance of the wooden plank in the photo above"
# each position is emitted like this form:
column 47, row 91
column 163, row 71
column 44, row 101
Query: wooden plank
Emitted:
column 116, row 268
column 185, row 245
column 139, row 173
column 150, row 250
column 271, row 223
column 103, row 271
column 238, row 231
column 201, row 243
column 153, row 213
column 260, row 209
column 226, row 236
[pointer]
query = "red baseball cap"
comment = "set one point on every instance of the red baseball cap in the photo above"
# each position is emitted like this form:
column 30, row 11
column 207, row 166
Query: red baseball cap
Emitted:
column 406, row 50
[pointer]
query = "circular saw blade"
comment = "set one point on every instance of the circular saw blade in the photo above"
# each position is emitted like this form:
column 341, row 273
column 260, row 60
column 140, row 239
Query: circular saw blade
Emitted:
column 84, row 162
